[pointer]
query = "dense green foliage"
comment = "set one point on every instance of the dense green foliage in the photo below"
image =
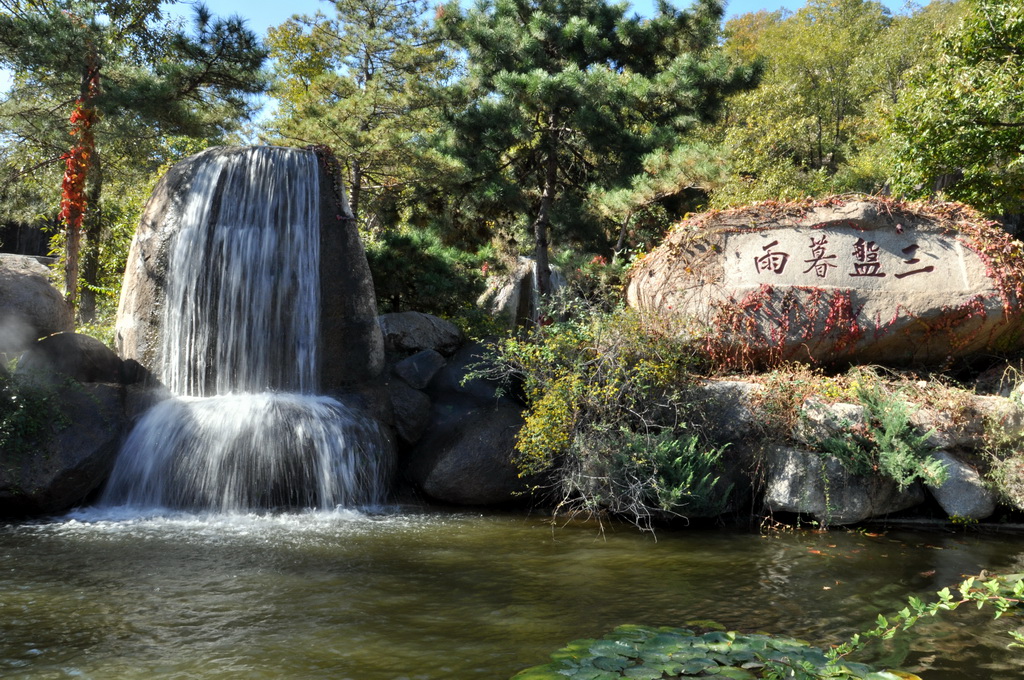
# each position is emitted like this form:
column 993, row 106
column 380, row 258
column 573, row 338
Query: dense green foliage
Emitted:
column 960, row 124
column 123, row 82
column 520, row 123
column 366, row 82
column 607, row 426
column 667, row 653
column 414, row 270
column 814, row 126
column 567, row 99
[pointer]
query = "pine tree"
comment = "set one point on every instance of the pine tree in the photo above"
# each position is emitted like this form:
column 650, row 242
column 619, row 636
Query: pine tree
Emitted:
column 118, row 80
column 569, row 96
column 362, row 82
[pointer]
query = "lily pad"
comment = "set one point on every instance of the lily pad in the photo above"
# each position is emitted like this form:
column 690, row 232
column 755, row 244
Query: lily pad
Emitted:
column 734, row 673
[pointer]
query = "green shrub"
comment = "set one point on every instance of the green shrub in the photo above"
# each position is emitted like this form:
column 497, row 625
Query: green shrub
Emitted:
column 887, row 444
column 413, row 270
column 607, row 415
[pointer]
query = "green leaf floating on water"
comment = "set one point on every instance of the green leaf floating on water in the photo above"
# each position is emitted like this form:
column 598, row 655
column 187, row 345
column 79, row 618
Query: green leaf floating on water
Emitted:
column 735, row 673
column 649, row 653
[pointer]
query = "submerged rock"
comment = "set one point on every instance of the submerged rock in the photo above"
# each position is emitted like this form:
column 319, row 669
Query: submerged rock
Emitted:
column 838, row 282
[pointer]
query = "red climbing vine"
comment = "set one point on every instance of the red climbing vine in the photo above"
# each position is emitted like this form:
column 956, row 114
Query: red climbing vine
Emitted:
column 76, row 166
column 77, row 161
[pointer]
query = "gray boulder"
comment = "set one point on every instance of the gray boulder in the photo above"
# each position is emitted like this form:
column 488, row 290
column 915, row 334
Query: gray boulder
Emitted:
column 969, row 425
column 410, row 332
column 513, row 298
column 74, row 457
column 804, row 483
column 466, row 456
column 72, row 355
column 411, row 411
column 964, row 493
column 450, row 382
column 820, row 420
column 726, row 410
column 841, row 281
column 30, row 307
column 419, row 369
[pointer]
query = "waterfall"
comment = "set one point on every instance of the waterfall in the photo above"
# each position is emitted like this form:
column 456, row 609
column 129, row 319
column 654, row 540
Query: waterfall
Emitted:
column 244, row 295
column 245, row 428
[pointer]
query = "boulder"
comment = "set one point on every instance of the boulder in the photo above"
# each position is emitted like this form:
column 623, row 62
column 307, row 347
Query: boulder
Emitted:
column 450, row 382
column 419, row 369
column 410, row 332
column 804, row 483
column 820, row 420
column 73, row 460
column 351, row 347
column 964, row 493
column 839, row 281
column 466, row 456
column 727, row 412
column 968, row 426
column 72, row 355
column 30, row 307
column 411, row 411
column 513, row 298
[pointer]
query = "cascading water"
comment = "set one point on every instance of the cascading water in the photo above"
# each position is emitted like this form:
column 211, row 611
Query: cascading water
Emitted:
column 245, row 428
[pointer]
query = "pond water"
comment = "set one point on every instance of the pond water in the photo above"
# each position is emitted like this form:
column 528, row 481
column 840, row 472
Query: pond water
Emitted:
column 454, row 596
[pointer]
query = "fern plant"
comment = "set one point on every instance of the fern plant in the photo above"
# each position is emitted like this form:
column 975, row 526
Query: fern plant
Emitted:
column 887, row 443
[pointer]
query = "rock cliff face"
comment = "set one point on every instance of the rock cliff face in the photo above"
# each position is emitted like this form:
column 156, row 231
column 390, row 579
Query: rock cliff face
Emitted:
column 839, row 282
column 351, row 345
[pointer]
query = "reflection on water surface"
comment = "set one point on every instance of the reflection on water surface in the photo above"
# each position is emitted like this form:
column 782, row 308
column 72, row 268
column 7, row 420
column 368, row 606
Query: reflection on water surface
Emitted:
column 451, row 596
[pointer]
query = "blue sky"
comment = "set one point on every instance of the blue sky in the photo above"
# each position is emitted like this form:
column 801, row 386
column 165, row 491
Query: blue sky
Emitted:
column 262, row 14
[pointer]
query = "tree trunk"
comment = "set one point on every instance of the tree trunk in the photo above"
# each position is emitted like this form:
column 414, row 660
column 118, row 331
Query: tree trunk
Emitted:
column 72, row 245
column 357, row 181
column 542, row 224
column 620, row 245
column 76, row 172
column 93, row 234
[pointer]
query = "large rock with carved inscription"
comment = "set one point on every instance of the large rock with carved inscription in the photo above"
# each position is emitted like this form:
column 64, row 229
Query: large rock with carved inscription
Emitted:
column 839, row 281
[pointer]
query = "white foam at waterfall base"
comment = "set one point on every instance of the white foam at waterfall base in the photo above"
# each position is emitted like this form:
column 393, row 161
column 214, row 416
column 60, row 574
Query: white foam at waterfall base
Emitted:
column 235, row 452
column 240, row 331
